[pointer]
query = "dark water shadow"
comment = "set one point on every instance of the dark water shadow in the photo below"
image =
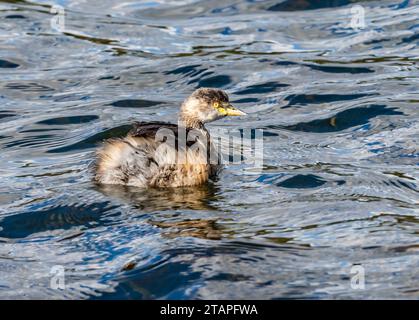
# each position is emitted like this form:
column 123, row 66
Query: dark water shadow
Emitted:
column 298, row 181
column 206, row 78
column 15, row 16
column 191, row 72
column 135, row 103
column 339, row 69
column 61, row 217
column 31, row 141
column 92, row 141
column 302, row 181
column 156, row 281
column 298, row 5
column 28, row 87
column 266, row 87
column 305, row 99
column 342, row 120
column 7, row 114
column 219, row 81
column 247, row 100
column 326, row 69
column 62, row 121
column 186, row 70
column 8, row 64
column 412, row 38
column 174, row 269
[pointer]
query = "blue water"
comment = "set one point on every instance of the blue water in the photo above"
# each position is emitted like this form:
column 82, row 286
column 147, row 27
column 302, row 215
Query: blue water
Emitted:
column 338, row 105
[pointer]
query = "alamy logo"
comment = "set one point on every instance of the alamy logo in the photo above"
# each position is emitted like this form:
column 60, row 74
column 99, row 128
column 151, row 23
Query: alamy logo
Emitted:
column 57, row 281
column 358, row 280
column 58, row 21
column 358, row 17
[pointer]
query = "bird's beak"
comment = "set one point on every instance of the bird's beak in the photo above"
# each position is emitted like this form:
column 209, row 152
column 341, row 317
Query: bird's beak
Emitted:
column 232, row 111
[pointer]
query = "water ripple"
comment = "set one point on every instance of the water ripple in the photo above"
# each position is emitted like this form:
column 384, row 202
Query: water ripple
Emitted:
column 338, row 185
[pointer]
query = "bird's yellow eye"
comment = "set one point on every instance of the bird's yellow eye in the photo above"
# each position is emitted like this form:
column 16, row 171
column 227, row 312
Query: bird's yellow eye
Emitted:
column 216, row 104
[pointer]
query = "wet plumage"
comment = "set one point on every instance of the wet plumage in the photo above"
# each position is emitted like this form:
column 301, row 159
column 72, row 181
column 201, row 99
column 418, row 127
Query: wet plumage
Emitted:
column 159, row 154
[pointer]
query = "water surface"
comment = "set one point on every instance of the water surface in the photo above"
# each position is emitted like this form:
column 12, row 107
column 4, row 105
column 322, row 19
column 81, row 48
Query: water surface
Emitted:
column 339, row 182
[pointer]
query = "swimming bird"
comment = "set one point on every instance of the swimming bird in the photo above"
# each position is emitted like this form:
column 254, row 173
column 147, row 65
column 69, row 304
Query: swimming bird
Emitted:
column 160, row 154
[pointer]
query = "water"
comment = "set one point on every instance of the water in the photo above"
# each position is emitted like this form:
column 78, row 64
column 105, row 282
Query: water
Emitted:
column 339, row 183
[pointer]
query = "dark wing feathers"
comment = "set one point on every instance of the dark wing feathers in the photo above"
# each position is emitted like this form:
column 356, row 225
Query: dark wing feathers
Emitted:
column 149, row 129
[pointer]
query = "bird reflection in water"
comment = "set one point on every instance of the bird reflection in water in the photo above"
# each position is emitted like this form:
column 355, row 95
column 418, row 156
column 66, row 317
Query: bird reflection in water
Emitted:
column 157, row 200
column 198, row 228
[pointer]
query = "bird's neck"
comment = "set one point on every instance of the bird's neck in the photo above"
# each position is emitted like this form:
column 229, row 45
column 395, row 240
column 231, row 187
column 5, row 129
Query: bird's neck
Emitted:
column 190, row 122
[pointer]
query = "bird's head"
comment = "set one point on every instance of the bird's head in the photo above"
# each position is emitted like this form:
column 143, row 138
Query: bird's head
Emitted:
column 206, row 105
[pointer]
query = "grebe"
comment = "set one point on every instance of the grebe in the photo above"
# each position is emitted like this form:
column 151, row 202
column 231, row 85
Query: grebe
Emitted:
column 159, row 154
